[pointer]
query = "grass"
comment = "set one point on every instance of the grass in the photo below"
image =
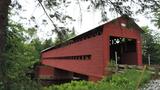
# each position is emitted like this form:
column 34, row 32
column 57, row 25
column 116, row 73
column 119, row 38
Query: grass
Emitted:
column 126, row 81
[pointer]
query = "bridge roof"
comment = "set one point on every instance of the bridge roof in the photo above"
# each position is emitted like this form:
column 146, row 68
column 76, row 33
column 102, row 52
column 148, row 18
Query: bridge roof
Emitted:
column 94, row 32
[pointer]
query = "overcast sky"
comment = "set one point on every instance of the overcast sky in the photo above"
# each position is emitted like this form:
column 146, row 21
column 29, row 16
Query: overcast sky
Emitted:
column 89, row 19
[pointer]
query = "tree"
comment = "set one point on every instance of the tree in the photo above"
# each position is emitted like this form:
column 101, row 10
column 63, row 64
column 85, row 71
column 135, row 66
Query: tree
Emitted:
column 126, row 6
column 156, row 18
column 67, row 34
column 4, row 5
column 20, row 55
column 151, row 46
column 118, row 6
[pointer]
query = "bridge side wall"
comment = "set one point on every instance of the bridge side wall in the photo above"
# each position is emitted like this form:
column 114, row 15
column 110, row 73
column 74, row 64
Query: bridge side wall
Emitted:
column 92, row 67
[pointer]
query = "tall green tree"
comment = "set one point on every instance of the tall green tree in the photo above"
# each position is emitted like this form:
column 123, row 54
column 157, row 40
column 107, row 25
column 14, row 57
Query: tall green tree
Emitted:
column 20, row 55
column 151, row 46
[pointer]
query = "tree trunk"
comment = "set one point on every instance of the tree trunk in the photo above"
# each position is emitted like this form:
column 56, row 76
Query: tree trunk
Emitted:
column 4, row 5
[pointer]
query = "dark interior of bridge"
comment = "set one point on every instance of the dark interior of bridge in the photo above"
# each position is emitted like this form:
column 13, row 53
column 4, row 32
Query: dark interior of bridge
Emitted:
column 123, row 50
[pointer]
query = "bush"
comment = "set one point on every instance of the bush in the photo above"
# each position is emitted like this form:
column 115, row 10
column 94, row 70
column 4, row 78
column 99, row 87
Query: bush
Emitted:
column 126, row 81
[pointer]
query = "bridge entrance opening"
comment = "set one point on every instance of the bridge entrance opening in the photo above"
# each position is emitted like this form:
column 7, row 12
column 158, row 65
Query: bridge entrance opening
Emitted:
column 123, row 50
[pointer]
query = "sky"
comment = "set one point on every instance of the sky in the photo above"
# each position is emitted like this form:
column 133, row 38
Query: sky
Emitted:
column 89, row 19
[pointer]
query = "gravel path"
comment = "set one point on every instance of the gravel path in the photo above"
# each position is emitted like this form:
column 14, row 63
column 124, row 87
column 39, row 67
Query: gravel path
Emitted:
column 152, row 85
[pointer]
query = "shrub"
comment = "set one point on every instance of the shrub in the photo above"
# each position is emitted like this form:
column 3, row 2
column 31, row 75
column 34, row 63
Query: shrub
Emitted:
column 125, row 81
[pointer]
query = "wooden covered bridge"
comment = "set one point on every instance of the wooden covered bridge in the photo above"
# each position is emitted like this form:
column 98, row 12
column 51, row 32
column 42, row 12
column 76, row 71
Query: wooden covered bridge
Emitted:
column 86, row 56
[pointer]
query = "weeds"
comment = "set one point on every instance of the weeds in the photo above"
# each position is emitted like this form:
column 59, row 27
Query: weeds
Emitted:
column 125, row 81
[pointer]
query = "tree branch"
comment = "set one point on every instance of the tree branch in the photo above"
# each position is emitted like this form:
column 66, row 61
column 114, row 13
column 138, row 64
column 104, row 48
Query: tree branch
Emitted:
column 48, row 16
column 80, row 11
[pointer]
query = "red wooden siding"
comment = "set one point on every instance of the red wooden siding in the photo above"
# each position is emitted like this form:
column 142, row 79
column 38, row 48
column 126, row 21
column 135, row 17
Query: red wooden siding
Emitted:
column 92, row 46
column 45, row 72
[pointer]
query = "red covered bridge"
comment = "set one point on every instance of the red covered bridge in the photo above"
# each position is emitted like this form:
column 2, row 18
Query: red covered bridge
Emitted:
column 86, row 56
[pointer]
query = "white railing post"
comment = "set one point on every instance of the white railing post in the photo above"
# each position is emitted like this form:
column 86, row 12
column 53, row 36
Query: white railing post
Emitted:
column 116, row 58
column 149, row 59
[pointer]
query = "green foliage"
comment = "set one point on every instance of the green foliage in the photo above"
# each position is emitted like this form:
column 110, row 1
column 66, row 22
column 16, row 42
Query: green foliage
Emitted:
column 151, row 45
column 118, row 6
column 22, row 52
column 20, row 55
column 112, row 63
column 74, row 85
column 156, row 18
column 126, row 81
column 66, row 36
